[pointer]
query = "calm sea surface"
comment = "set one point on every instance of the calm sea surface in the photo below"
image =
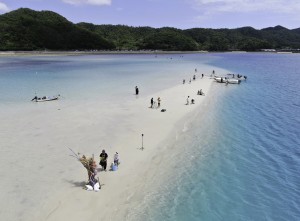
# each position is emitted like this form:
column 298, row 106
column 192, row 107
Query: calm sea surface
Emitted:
column 80, row 78
column 239, row 160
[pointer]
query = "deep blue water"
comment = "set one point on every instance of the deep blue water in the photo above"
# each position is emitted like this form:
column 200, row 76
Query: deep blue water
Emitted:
column 241, row 160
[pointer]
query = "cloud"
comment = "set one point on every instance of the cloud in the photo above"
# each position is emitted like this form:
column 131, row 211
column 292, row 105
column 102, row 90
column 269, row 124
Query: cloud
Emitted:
column 3, row 7
column 275, row 6
column 88, row 2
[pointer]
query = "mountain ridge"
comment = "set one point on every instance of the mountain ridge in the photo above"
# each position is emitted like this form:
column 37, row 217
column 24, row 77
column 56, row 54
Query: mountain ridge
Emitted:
column 27, row 29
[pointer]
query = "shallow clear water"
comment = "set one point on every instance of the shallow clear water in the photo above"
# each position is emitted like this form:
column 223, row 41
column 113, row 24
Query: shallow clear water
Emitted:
column 89, row 77
column 241, row 161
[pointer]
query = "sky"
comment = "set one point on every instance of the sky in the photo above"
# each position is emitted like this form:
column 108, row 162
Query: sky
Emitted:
column 182, row 14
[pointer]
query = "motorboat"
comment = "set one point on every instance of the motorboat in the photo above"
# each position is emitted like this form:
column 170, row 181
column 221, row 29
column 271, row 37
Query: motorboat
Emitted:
column 221, row 79
column 45, row 98
column 233, row 81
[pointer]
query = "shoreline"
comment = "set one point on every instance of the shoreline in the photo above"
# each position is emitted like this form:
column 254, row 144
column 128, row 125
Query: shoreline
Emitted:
column 125, row 52
column 93, row 52
column 130, row 173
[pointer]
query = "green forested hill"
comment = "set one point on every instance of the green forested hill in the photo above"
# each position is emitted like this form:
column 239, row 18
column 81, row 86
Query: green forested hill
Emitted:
column 26, row 29
column 136, row 38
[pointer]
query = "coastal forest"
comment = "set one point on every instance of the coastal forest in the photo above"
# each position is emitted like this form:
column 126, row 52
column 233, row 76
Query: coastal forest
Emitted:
column 28, row 30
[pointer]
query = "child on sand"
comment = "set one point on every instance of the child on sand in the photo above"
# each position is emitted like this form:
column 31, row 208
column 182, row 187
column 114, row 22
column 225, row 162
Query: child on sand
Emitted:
column 116, row 159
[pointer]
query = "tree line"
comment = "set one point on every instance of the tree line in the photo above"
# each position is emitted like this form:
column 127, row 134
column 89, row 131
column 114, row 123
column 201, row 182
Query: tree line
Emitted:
column 26, row 29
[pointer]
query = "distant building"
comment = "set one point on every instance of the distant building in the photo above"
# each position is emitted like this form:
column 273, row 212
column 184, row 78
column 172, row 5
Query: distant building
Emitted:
column 268, row 50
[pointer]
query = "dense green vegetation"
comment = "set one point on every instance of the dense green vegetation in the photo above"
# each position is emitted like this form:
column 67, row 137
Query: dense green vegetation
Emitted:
column 26, row 29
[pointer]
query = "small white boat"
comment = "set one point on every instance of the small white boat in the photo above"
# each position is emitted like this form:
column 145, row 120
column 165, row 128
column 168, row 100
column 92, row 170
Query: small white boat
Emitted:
column 233, row 81
column 221, row 79
column 45, row 98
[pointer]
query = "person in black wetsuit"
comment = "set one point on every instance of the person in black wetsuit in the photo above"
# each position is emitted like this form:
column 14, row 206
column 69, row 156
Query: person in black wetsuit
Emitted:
column 35, row 98
column 103, row 160
column 136, row 90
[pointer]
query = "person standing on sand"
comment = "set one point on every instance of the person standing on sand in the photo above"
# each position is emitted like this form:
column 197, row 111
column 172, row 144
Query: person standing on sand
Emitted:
column 116, row 159
column 136, row 90
column 188, row 100
column 103, row 160
column 151, row 102
column 158, row 102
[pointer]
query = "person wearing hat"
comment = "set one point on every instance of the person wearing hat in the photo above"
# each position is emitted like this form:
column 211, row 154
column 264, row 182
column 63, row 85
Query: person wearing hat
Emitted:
column 103, row 160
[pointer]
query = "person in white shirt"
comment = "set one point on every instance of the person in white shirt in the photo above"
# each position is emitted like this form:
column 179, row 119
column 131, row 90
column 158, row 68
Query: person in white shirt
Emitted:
column 116, row 159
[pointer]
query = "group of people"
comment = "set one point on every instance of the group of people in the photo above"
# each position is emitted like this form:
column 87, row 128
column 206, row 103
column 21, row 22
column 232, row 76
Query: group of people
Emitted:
column 200, row 92
column 194, row 78
column 188, row 101
column 103, row 160
column 153, row 103
column 91, row 166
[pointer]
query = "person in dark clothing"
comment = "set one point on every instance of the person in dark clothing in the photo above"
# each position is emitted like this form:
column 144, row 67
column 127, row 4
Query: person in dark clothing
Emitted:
column 35, row 98
column 103, row 160
column 158, row 102
column 136, row 90
column 151, row 102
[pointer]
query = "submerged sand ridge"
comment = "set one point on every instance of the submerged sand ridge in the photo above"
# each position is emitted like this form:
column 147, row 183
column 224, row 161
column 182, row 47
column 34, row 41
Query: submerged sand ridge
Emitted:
column 121, row 189
column 49, row 182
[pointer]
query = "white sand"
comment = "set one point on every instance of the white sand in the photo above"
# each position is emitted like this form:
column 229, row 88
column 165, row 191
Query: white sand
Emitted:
column 48, row 183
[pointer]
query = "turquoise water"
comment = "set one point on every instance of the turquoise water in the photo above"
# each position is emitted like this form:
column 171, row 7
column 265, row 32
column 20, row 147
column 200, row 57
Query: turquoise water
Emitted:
column 241, row 161
column 89, row 77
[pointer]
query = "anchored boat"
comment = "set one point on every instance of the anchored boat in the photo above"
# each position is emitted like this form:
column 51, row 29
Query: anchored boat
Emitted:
column 233, row 81
column 45, row 98
column 221, row 79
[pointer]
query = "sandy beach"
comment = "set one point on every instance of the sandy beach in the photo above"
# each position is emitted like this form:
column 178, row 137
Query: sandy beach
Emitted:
column 54, row 180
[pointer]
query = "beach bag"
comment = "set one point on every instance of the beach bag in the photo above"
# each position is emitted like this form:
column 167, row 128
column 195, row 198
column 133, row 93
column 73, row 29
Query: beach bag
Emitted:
column 114, row 167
